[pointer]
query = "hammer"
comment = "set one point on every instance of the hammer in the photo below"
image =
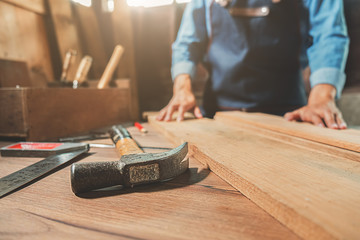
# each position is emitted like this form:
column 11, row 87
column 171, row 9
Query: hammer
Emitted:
column 134, row 167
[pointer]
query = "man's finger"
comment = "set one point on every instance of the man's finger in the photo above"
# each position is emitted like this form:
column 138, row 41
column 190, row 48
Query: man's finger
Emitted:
column 340, row 121
column 197, row 112
column 169, row 112
column 161, row 114
column 317, row 121
column 181, row 113
column 329, row 119
column 291, row 116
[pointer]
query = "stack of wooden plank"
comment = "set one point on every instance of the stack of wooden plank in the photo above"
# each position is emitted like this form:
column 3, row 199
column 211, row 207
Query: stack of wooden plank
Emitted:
column 305, row 176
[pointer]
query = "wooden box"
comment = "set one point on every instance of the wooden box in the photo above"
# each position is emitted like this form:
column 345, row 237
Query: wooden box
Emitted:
column 39, row 114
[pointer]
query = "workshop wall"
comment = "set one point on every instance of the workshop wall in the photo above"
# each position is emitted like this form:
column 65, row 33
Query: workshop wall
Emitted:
column 23, row 40
column 39, row 32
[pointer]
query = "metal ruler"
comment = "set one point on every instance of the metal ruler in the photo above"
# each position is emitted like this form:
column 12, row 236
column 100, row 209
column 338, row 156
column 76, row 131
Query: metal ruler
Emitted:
column 28, row 174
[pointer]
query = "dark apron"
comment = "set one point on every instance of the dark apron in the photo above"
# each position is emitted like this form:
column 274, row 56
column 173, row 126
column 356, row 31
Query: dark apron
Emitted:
column 254, row 60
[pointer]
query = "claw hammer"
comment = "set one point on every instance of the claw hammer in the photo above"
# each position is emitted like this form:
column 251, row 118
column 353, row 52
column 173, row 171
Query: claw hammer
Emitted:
column 134, row 167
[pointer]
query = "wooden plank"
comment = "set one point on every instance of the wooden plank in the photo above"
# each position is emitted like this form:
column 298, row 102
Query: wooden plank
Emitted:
column 23, row 38
column 36, row 6
column 313, row 193
column 347, row 139
column 320, row 147
column 66, row 33
column 196, row 205
column 124, row 35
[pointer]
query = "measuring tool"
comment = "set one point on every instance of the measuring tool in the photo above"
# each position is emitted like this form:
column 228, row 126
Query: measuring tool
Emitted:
column 28, row 174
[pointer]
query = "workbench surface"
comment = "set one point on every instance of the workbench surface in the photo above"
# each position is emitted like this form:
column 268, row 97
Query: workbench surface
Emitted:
column 195, row 205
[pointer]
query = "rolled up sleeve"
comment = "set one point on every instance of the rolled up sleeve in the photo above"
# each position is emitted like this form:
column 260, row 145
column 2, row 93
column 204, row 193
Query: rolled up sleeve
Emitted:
column 191, row 42
column 328, row 53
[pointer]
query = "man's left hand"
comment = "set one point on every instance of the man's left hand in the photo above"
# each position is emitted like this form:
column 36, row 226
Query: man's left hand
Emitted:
column 321, row 109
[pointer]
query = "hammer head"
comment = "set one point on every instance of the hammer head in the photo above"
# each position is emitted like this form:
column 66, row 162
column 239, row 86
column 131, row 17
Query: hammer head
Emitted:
column 150, row 167
column 132, row 169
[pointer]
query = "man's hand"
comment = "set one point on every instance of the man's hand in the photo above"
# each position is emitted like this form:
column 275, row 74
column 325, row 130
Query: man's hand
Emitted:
column 321, row 109
column 183, row 100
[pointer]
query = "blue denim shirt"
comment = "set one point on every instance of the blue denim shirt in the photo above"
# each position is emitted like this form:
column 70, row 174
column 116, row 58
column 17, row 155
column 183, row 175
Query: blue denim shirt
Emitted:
column 323, row 20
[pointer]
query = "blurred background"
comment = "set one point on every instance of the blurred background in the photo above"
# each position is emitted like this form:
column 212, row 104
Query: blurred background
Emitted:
column 36, row 34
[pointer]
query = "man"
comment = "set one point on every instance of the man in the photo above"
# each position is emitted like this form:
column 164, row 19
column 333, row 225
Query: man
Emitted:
column 254, row 51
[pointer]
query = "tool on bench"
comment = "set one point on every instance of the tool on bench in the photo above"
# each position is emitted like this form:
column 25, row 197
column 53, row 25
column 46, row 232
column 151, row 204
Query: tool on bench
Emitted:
column 134, row 167
column 28, row 174
column 39, row 149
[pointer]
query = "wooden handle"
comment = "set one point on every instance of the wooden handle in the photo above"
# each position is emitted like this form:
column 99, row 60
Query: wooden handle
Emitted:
column 83, row 69
column 127, row 146
column 123, row 141
column 68, row 56
column 110, row 67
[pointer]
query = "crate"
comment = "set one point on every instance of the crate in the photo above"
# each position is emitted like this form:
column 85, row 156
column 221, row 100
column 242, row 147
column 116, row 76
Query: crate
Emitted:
column 39, row 114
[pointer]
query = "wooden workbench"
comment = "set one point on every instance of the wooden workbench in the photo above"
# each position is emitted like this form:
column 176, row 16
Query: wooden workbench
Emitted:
column 196, row 205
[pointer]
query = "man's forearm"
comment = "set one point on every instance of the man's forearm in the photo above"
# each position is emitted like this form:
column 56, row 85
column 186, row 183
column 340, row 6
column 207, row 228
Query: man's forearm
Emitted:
column 182, row 82
column 322, row 93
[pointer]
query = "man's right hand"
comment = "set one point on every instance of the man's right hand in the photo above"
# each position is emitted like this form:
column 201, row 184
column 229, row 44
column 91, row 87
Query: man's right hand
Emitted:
column 183, row 100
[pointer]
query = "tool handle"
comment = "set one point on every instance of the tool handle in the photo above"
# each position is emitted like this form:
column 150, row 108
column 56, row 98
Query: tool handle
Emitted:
column 127, row 146
column 110, row 67
column 123, row 141
column 83, row 69
column 67, row 60
column 95, row 175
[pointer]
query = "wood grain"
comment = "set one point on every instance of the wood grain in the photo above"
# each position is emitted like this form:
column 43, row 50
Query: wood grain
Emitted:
column 313, row 193
column 196, row 205
column 299, row 142
column 347, row 139
column 73, row 111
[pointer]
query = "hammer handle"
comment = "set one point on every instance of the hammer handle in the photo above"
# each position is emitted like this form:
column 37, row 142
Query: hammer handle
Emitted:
column 127, row 146
column 123, row 141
